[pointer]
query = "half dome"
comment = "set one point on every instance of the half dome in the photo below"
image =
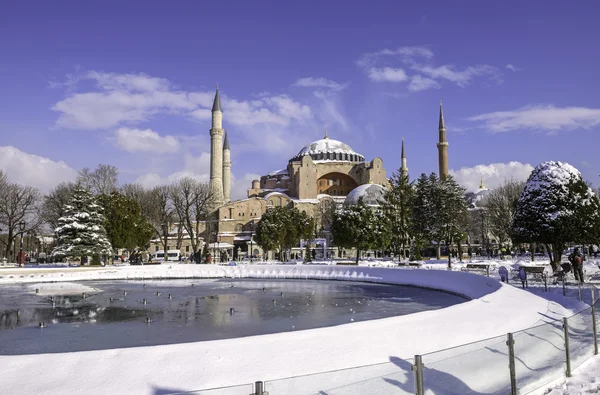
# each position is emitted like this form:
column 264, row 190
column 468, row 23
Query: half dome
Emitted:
column 329, row 149
column 372, row 195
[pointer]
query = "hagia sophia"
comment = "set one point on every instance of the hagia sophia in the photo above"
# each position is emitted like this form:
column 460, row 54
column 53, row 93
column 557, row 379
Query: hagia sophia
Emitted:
column 322, row 174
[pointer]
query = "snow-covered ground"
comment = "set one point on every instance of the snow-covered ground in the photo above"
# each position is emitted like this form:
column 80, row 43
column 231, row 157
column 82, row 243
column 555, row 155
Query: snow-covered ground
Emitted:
column 387, row 344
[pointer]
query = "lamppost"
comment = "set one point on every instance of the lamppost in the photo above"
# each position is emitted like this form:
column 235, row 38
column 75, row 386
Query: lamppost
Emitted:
column 166, row 241
column 21, row 230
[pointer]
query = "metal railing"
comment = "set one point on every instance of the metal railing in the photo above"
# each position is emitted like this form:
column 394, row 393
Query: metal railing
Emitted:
column 519, row 362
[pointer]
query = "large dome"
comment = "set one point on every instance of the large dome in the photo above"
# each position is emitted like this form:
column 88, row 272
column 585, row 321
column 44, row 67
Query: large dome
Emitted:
column 329, row 149
column 372, row 195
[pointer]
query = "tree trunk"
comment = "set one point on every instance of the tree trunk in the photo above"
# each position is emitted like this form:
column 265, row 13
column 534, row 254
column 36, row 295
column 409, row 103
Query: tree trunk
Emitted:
column 550, row 250
column 557, row 249
column 532, row 250
column 438, row 251
column 357, row 255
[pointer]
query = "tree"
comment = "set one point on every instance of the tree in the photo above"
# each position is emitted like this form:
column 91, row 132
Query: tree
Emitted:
column 18, row 204
column 81, row 230
column 362, row 227
column 191, row 201
column 500, row 205
column 556, row 207
column 426, row 224
column 397, row 207
column 324, row 215
column 160, row 212
column 439, row 210
column 125, row 225
column 453, row 213
column 281, row 228
column 103, row 180
column 55, row 202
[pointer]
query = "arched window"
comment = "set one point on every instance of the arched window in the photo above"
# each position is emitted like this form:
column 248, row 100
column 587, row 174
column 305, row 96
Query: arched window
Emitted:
column 279, row 201
column 239, row 227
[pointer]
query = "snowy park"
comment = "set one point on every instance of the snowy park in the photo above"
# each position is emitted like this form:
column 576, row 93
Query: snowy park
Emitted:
column 463, row 346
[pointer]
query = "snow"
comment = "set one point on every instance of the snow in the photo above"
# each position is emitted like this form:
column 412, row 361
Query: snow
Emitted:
column 278, row 172
column 390, row 342
column 371, row 194
column 324, row 146
column 585, row 380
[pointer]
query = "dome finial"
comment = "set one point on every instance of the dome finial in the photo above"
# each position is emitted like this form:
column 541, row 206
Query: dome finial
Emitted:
column 481, row 186
column 326, row 135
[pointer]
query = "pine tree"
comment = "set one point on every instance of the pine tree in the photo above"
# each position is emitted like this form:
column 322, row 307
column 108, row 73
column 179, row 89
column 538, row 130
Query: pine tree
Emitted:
column 439, row 210
column 397, row 207
column 80, row 232
column 556, row 207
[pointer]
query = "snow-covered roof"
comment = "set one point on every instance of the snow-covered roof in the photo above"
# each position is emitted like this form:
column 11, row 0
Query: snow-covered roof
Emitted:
column 329, row 146
column 276, row 193
column 371, row 194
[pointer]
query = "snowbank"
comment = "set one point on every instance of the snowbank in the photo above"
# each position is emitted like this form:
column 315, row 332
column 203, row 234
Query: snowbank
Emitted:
column 193, row 366
column 44, row 289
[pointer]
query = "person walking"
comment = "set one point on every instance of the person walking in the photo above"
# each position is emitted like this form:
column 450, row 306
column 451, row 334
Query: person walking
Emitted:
column 576, row 260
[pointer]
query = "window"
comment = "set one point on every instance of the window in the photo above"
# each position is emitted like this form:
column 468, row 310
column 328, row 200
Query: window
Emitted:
column 279, row 201
column 187, row 248
column 168, row 248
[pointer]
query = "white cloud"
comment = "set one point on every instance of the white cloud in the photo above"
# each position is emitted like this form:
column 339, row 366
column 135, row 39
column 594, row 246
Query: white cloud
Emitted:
column 494, row 174
column 387, row 74
column 390, row 65
column 34, row 170
column 319, row 82
column 198, row 167
column 459, row 77
column 137, row 140
column 511, row 67
column 539, row 117
column 419, row 83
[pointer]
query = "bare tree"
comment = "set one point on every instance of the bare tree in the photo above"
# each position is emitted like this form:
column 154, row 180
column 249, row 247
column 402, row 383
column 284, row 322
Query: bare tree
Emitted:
column 191, row 201
column 500, row 205
column 103, row 180
column 18, row 204
column 161, row 213
column 55, row 201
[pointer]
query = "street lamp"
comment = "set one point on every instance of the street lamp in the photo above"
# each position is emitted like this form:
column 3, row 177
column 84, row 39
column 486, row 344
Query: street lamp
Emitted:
column 21, row 230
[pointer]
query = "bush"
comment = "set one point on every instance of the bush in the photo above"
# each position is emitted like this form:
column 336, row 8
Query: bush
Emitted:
column 95, row 260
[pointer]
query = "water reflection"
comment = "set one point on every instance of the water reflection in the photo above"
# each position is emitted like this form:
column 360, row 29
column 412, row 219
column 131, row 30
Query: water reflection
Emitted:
column 197, row 310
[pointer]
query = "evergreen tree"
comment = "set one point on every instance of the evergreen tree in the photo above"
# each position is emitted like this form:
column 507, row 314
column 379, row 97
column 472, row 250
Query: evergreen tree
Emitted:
column 80, row 232
column 281, row 228
column 125, row 225
column 556, row 207
column 397, row 208
column 362, row 227
column 439, row 210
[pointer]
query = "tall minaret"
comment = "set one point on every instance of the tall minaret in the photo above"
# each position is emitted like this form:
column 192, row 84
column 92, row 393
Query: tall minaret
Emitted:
column 403, row 168
column 216, row 152
column 442, row 147
column 226, row 171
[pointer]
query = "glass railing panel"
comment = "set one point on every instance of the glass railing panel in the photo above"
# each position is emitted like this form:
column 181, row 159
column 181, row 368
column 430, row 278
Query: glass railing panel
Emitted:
column 581, row 338
column 394, row 378
column 475, row 368
column 539, row 356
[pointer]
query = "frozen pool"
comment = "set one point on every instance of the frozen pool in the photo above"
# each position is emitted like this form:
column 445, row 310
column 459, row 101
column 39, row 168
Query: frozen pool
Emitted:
column 113, row 314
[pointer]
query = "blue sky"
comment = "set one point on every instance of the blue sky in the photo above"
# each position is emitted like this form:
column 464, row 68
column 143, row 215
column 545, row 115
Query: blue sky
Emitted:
column 130, row 84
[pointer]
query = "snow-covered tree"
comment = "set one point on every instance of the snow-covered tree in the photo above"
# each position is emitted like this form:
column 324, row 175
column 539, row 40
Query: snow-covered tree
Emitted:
column 80, row 232
column 281, row 228
column 397, row 207
column 362, row 227
column 439, row 210
column 556, row 207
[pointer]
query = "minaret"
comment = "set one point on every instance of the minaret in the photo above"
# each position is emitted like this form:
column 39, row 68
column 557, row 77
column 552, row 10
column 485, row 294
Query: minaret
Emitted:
column 216, row 152
column 442, row 147
column 403, row 168
column 226, row 171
